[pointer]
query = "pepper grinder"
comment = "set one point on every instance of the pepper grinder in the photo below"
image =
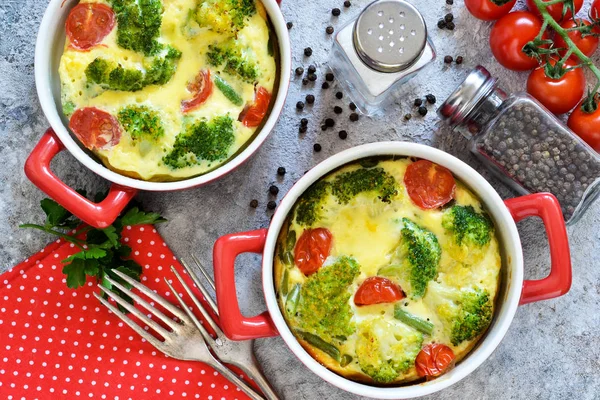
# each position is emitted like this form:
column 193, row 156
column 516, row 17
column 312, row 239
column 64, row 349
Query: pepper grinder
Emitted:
column 375, row 53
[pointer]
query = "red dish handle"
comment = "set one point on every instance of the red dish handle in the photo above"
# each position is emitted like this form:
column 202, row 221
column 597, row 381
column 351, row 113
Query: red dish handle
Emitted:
column 233, row 323
column 558, row 282
column 99, row 215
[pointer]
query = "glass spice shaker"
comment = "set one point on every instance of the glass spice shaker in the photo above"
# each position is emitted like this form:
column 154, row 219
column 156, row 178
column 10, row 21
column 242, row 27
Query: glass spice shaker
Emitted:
column 385, row 46
column 524, row 144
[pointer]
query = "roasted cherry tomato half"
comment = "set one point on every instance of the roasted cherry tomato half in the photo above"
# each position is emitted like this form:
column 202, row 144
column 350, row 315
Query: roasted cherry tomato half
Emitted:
column 95, row 129
column 312, row 249
column 587, row 44
column 555, row 10
column 201, row 87
column 489, row 10
column 586, row 125
column 375, row 290
column 88, row 24
column 429, row 185
column 558, row 95
column 434, row 359
column 508, row 36
column 253, row 115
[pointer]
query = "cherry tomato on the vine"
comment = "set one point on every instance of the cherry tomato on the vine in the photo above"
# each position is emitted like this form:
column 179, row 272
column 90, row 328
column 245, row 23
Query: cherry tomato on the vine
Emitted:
column 489, row 10
column 587, row 44
column 376, row 290
column 312, row 249
column 558, row 95
column 555, row 10
column 586, row 125
column 434, row 359
column 595, row 10
column 508, row 36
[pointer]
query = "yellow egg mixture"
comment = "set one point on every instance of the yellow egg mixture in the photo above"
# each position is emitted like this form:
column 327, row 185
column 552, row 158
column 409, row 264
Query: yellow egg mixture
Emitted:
column 369, row 231
column 141, row 159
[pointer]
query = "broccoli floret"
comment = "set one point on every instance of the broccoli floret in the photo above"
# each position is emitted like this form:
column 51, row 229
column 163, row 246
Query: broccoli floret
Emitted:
column 386, row 349
column 68, row 108
column 224, row 16
column 234, row 60
column 468, row 226
column 138, row 25
column 468, row 312
column 324, row 308
column 141, row 122
column 348, row 185
column 308, row 208
column 203, row 140
column 422, row 254
column 162, row 69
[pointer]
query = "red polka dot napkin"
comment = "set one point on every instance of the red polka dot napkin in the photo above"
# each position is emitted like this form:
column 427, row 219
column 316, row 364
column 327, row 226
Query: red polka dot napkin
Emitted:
column 60, row 343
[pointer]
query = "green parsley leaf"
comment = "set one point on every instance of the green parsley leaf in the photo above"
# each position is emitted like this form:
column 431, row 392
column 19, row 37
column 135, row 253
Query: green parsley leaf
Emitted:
column 56, row 215
column 136, row 217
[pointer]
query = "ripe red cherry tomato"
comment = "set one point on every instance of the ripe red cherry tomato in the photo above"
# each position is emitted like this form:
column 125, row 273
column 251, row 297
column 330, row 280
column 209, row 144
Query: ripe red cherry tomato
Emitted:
column 253, row 116
column 509, row 34
column 95, row 129
column 434, row 359
column 558, row 95
column 375, row 290
column 587, row 44
column 555, row 10
column 586, row 125
column 595, row 10
column 88, row 24
column 487, row 10
column 312, row 249
column 429, row 185
column 201, row 87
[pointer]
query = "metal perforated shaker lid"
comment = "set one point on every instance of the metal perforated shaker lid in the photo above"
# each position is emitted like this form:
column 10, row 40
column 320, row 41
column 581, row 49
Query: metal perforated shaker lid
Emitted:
column 389, row 35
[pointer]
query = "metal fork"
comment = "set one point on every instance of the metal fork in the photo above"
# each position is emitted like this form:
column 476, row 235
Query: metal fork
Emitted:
column 184, row 342
column 238, row 353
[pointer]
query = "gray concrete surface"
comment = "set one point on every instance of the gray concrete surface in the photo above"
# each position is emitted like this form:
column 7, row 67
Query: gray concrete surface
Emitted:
column 552, row 350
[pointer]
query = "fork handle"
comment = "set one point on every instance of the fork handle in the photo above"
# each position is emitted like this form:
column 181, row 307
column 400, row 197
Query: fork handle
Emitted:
column 229, row 374
column 253, row 371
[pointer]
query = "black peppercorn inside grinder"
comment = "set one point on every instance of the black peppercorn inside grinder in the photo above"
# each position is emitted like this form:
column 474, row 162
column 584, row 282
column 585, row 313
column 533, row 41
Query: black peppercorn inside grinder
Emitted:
column 523, row 143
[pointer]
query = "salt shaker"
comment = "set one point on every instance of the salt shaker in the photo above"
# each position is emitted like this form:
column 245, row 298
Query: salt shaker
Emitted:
column 524, row 144
column 375, row 53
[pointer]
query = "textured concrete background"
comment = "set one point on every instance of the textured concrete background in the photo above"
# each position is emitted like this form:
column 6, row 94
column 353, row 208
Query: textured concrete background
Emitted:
column 552, row 350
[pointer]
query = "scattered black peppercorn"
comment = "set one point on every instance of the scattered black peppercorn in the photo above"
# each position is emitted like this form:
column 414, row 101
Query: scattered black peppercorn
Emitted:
column 323, row 127
column 329, row 30
column 308, row 52
column 430, row 98
column 343, row 135
column 447, row 59
column 459, row 60
column 347, row 4
column 274, row 190
column 352, row 106
column 449, row 17
column 305, row 81
column 312, row 69
column 337, row 109
column 418, row 102
column 336, row 12
column 303, row 122
column 300, row 105
column 450, row 26
column 254, row 203
column 329, row 122
column 317, row 147
column 354, row 117
column 290, row 25
column 422, row 111
column 281, row 171
column 312, row 77
column 271, row 205
column 302, row 129
column 299, row 71
column 449, row 2
column 339, row 95
column 310, row 99
column 329, row 77
column 441, row 24
column 407, row 116
column 325, row 85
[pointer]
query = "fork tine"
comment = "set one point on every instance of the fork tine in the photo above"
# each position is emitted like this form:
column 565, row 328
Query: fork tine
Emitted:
column 206, row 275
column 146, row 335
column 152, row 324
column 197, row 303
column 170, row 307
column 200, row 286
column 172, row 324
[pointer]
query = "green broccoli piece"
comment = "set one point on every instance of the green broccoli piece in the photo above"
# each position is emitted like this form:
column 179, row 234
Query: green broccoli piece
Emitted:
column 323, row 308
column 236, row 62
column 422, row 254
column 141, row 122
column 162, row 69
column 386, row 349
column 468, row 226
column 348, row 185
column 468, row 312
column 308, row 207
column 224, row 16
column 203, row 140
column 68, row 108
column 138, row 25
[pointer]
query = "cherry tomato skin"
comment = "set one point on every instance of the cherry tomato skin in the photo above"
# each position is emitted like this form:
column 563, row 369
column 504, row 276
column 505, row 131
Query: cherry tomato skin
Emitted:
column 201, row 87
column 586, row 126
column 555, row 10
column 595, row 10
column 429, row 185
column 96, row 129
column 376, row 290
column 508, row 36
column 312, row 249
column 587, row 44
column 557, row 95
column 486, row 10
column 253, row 116
column 434, row 359
column 88, row 24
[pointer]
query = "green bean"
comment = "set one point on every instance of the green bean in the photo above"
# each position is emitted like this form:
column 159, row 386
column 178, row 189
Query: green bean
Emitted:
column 288, row 258
column 291, row 301
column 228, row 91
column 346, row 359
column 291, row 240
column 285, row 287
column 412, row 320
column 391, row 270
column 320, row 344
